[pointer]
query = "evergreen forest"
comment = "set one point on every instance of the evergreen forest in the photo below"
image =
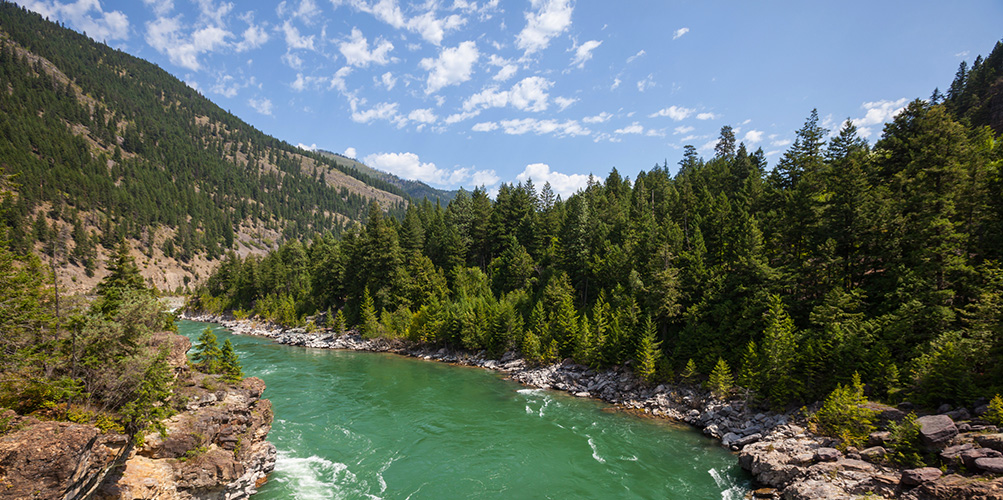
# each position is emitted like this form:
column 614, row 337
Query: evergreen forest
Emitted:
column 845, row 257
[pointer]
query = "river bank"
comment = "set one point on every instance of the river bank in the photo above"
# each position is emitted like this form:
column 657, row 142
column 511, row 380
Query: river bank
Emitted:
column 776, row 448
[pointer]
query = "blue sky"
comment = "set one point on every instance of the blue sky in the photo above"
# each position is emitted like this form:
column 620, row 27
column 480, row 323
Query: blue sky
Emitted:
column 479, row 92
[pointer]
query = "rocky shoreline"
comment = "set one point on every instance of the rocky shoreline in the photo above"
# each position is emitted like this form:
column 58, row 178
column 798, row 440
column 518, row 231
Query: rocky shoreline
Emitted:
column 776, row 448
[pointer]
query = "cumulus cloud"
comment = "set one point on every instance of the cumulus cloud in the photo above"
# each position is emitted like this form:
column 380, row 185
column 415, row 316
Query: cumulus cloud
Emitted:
column 680, row 32
column 584, row 52
column 350, row 152
column 165, row 34
column 684, row 129
column 753, row 136
column 543, row 127
column 453, row 66
column 877, row 113
column 707, row 116
column 338, row 80
column 427, row 25
column 307, row 147
column 263, row 105
column 633, row 128
column 160, row 7
column 529, row 94
column 409, row 166
column 600, row 118
column 484, row 127
column 302, row 82
column 635, row 56
column 677, row 113
column 564, row 102
column 253, row 37
column 433, row 29
column 422, row 116
column 551, row 18
column 293, row 38
column 562, row 184
column 357, row 53
column 382, row 111
column 616, row 83
column 388, row 80
column 86, row 16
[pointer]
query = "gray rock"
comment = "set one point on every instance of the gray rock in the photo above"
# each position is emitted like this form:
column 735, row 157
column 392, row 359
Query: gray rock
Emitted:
column 952, row 454
column 936, row 430
column 729, row 438
column 970, row 457
column 944, row 408
column 747, row 440
column 813, row 490
column 873, row 454
column 959, row 414
column 827, row 454
column 918, row 476
column 878, row 438
column 994, row 441
column 981, row 410
column 990, row 465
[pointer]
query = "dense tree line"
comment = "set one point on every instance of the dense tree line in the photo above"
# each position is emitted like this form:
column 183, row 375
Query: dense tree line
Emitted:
column 106, row 147
column 844, row 258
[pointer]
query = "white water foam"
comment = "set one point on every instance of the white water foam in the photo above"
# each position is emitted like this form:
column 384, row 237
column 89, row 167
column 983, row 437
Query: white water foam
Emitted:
column 595, row 452
column 729, row 490
column 315, row 478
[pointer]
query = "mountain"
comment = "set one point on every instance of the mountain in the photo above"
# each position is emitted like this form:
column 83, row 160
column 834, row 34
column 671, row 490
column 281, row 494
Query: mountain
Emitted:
column 99, row 145
column 415, row 189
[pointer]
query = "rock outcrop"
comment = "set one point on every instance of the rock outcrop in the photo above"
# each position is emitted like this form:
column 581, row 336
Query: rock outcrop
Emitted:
column 214, row 449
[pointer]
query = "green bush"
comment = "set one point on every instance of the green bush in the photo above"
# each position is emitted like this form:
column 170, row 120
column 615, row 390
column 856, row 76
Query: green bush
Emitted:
column 905, row 442
column 843, row 417
column 995, row 414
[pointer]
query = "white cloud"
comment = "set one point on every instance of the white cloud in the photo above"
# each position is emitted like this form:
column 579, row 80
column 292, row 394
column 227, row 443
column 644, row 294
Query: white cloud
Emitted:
column 293, row 38
column 529, row 94
column 307, row 11
column 292, row 60
column 680, row 32
column 459, row 117
column 357, row 53
column 616, row 83
column 452, row 67
column 753, row 136
column 507, row 71
column 409, row 166
column 160, row 7
column 382, row 111
column 677, row 113
column 210, row 38
column 683, row 130
column 879, row 112
column 338, row 80
column 254, row 37
column 707, row 116
column 551, row 18
column 484, row 127
column 584, row 52
column 562, row 184
column 350, row 152
column 543, row 127
column 263, row 105
column 86, row 16
column 305, row 147
column 564, row 102
column 165, row 35
column 600, row 118
column 423, row 116
column 780, row 143
column 635, row 56
column 633, row 128
column 646, row 83
column 655, row 133
column 388, row 80
column 433, row 29
column 212, row 13
column 307, row 82
column 429, row 27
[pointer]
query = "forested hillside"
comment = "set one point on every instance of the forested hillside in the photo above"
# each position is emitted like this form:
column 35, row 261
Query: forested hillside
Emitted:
column 103, row 146
column 842, row 258
column 415, row 189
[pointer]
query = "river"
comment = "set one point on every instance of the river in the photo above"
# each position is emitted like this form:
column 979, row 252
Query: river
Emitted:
column 371, row 425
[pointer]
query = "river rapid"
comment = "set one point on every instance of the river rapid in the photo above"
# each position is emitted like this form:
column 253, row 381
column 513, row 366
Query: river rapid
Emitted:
column 372, row 425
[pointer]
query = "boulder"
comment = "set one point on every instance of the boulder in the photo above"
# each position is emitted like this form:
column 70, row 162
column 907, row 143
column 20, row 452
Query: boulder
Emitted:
column 936, row 430
column 952, row 454
column 827, row 454
column 959, row 414
column 990, row 465
column 994, row 441
column 873, row 454
column 747, row 440
column 922, row 475
column 971, row 456
column 878, row 438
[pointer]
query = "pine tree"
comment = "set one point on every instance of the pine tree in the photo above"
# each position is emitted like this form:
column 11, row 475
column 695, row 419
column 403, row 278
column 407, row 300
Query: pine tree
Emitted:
column 690, row 373
column 648, row 352
column 208, row 356
column 720, row 381
column 780, row 355
column 230, row 364
column 369, row 324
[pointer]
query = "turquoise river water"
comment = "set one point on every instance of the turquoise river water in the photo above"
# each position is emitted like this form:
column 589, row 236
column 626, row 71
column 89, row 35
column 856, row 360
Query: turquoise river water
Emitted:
column 366, row 425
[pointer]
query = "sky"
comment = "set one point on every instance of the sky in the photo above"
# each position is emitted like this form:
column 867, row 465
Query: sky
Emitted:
column 481, row 92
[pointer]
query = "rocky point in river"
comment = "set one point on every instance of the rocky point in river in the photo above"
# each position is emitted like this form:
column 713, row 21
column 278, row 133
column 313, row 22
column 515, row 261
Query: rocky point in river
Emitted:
column 214, row 448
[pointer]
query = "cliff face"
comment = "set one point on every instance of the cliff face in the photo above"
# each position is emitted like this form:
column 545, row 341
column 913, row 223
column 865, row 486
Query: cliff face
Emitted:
column 214, row 449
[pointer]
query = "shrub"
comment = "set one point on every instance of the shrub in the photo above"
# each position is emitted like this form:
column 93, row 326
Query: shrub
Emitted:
column 721, row 380
column 995, row 414
column 842, row 416
column 905, row 441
